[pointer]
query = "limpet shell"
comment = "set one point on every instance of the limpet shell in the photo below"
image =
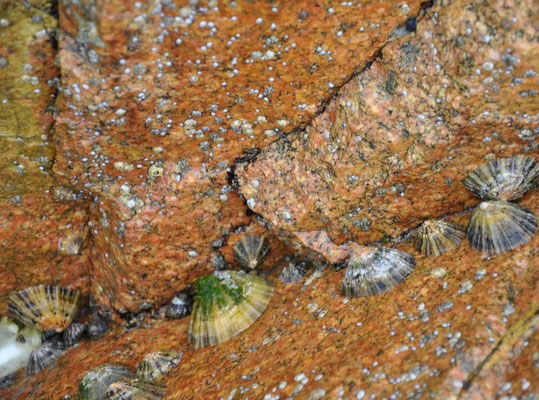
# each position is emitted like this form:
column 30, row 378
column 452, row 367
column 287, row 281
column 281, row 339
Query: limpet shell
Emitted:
column 227, row 303
column 503, row 179
column 45, row 307
column 499, row 226
column 436, row 237
column 373, row 270
column 250, row 250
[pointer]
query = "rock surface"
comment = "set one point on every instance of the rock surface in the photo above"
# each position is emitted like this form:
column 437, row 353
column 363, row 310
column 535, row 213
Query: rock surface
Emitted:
column 393, row 147
column 159, row 101
column 148, row 160
column 463, row 325
column 43, row 227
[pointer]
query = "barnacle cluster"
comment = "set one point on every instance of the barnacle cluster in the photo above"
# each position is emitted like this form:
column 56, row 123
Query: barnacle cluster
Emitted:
column 497, row 225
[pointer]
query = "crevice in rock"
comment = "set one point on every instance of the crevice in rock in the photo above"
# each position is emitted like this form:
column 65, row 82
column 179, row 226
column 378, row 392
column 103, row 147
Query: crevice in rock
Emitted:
column 515, row 332
column 251, row 155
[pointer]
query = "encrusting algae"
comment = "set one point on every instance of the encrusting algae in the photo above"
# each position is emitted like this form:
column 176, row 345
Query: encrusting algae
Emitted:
column 227, row 303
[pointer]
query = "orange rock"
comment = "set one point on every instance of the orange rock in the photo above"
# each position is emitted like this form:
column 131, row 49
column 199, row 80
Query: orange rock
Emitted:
column 161, row 99
column 391, row 150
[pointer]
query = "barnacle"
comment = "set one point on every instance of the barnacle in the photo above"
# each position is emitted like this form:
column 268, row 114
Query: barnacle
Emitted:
column 73, row 333
column 503, row 179
column 45, row 307
column 95, row 383
column 158, row 363
column 16, row 346
column 227, row 303
column 499, row 226
column 436, row 236
column 250, row 250
column 134, row 390
column 373, row 270
column 180, row 306
column 41, row 357
column 294, row 272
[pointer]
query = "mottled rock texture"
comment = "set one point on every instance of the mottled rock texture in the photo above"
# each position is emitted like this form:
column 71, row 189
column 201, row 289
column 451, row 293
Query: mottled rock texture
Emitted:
column 146, row 128
column 42, row 225
column 463, row 325
column 160, row 99
column 392, row 148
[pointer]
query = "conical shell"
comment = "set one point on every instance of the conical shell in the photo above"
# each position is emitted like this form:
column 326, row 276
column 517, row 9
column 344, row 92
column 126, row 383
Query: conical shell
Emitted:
column 73, row 333
column 373, row 270
column 436, row 236
column 134, row 390
column 294, row 272
column 95, row 383
column 41, row 357
column 250, row 250
column 45, row 307
column 503, row 179
column 227, row 303
column 157, row 364
column 499, row 226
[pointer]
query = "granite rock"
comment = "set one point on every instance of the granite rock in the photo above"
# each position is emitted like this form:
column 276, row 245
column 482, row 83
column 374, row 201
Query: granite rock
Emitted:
column 43, row 226
column 392, row 148
column 159, row 101
column 463, row 325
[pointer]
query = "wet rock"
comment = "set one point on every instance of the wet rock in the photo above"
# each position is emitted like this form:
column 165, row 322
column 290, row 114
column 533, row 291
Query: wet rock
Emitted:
column 174, row 108
column 393, row 147
column 39, row 233
column 311, row 338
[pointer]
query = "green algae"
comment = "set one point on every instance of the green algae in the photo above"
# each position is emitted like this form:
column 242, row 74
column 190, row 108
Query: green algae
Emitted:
column 210, row 289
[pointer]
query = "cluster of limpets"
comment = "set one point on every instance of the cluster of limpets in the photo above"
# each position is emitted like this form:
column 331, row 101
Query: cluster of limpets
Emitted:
column 496, row 226
column 45, row 314
column 118, row 382
column 227, row 302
